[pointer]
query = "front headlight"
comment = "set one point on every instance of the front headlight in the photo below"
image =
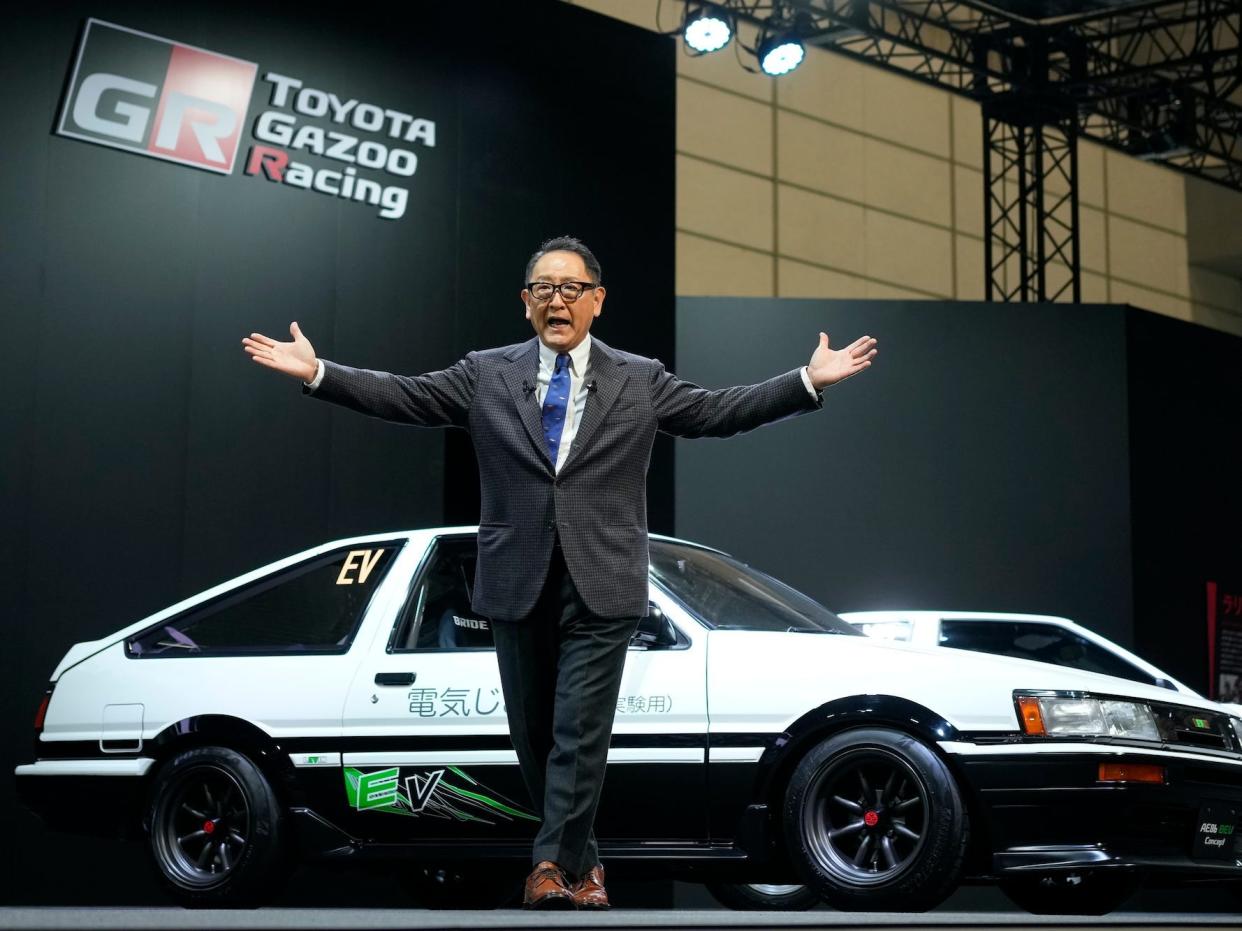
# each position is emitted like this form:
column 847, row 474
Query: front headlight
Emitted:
column 1083, row 716
column 1237, row 730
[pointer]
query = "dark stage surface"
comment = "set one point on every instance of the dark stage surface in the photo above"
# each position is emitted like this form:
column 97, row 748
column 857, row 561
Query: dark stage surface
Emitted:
column 139, row 918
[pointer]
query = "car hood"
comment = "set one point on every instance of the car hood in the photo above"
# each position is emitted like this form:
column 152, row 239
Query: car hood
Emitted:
column 972, row 691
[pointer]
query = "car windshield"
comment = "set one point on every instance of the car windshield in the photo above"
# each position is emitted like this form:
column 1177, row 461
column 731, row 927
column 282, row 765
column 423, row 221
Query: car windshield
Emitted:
column 728, row 595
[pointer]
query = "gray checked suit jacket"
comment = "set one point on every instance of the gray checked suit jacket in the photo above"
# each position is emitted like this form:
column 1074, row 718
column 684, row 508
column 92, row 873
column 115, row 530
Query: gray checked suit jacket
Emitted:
column 597, row 503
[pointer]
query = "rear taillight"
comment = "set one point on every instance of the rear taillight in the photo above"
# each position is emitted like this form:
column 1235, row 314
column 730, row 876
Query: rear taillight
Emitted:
column 42, row 712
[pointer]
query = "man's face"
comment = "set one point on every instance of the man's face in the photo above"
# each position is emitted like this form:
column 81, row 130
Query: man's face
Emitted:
column 560, row 325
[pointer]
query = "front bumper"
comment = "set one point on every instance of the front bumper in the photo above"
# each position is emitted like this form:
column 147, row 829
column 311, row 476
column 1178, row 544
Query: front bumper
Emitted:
column 1044, row 810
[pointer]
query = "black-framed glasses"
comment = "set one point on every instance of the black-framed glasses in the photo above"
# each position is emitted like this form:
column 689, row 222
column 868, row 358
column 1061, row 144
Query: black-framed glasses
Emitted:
column 570, row 291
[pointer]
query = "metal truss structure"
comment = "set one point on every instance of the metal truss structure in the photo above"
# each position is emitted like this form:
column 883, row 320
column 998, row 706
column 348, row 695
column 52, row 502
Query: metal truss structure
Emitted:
column 1160, row 80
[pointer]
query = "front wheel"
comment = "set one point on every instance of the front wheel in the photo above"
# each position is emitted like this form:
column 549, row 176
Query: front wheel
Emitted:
column 216, row 830
column 764, row 897
column 874, row 821
column 1087, row 893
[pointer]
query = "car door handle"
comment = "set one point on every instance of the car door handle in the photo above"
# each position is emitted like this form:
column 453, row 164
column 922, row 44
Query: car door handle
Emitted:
column 395, row 678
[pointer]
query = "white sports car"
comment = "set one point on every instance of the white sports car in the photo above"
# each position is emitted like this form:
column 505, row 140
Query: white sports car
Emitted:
column 344, row 703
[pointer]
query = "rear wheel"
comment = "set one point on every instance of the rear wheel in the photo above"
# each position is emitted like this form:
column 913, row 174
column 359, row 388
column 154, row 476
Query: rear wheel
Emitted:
column 874, row 821
column 764, row 896
column 216, row 830
column 1087, row 893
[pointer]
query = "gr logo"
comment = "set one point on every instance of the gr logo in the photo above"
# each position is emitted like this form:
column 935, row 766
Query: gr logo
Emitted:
column 152, row 96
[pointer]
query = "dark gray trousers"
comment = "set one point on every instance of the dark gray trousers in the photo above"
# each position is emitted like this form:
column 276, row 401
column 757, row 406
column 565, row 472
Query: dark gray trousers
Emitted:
column 560, row 668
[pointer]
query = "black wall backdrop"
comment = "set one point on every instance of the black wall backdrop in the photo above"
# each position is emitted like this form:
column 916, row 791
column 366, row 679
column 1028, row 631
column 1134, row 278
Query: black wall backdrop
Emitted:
column 980, row 464
column 1071, row 460
column 144, row 457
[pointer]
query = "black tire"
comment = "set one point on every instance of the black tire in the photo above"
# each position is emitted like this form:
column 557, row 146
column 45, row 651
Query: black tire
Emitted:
column 751, row 897
column 875, row 821
column 216, row 830
column 1095, row 892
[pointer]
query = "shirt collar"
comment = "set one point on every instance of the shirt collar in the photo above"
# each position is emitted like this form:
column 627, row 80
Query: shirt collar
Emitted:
column 579, row 356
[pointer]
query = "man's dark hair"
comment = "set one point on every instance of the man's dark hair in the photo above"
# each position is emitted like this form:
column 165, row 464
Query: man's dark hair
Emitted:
column 566, row 244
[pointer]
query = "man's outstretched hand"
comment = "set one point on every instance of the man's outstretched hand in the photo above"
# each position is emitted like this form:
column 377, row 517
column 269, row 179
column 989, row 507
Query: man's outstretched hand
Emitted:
column 829, row 366
column 296, row 358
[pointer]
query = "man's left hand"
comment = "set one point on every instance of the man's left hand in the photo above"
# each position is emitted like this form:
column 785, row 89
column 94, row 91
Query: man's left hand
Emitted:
column 829, row 366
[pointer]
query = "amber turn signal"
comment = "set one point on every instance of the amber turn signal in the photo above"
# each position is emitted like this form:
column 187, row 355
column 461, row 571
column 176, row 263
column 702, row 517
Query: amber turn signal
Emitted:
column 1132, row 772
column 1032, row 717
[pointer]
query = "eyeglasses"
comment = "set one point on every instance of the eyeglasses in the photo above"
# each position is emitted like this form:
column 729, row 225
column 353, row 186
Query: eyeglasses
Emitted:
column 570, row 291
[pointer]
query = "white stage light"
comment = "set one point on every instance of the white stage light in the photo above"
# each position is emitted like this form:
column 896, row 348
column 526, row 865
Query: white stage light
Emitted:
column 706, row 29
column 780, row 54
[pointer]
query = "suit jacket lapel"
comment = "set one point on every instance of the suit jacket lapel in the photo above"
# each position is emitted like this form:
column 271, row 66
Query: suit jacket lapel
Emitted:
column 609, row 374
column 522, row 377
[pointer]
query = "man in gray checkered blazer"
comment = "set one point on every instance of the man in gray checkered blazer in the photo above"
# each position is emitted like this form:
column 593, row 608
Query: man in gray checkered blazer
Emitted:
column 562, row 426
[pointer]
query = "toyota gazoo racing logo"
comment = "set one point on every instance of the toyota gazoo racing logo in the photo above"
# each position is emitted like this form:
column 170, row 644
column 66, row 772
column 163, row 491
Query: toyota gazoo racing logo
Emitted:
column 151, row 96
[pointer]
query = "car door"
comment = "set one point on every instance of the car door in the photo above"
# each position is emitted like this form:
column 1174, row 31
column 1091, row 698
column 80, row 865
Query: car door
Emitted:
column 427, row 750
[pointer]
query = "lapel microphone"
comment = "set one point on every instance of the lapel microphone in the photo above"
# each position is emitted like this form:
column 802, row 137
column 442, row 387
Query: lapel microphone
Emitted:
column 527, row 387
column 590, row 386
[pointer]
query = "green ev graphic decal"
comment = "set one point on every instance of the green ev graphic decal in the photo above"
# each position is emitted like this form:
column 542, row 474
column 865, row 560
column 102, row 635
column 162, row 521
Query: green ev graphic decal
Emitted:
column 448, row 793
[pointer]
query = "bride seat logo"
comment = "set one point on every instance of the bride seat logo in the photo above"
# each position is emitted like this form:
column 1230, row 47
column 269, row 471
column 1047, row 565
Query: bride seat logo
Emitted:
column 155, row 97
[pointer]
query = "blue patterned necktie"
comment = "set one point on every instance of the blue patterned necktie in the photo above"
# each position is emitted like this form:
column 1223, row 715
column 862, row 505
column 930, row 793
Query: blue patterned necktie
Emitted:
column 555, row 403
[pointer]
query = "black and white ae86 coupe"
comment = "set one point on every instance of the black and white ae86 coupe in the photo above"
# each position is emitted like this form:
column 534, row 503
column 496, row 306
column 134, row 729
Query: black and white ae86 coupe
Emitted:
column 345, row 703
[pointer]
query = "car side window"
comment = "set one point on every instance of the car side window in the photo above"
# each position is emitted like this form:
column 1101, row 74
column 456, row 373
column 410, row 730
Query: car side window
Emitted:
column 1043, row 643
column 437, row 615
column 312, row 607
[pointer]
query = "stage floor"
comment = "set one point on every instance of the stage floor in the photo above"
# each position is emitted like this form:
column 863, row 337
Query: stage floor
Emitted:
column 339, row 919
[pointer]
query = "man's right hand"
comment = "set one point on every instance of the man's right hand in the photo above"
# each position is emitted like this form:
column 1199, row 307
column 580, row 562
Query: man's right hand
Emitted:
column 296, row 358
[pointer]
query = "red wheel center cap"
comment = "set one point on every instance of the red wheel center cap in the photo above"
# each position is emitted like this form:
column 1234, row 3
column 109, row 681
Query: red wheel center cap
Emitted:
column 871, row 819
column 209, row 827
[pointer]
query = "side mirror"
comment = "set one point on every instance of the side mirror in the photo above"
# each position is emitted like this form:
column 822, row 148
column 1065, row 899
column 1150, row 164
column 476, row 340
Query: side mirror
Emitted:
column 655, row 631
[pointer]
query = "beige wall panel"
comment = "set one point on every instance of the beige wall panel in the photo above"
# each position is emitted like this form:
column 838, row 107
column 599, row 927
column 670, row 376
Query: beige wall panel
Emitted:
column 907, row 183
column 796, row 279
column 822, row 157
column 721, row 67
column 1094, row 288
column 712, row 268
column 1215, row 228
column 971, row 283
column 1090, row 173
column 827, row 86
column 1125, row 293
column 903, row 110
column 968, row 200
column 724, row 127
column 1217, row 319
column 1092, row 238
column 635, row 12
column 1146, row 192
column 820, row 229
column 723, row 203
column 1209, row 287
column 1147, row 256
column 877, row 290
column 967, row 131
column 904, row 253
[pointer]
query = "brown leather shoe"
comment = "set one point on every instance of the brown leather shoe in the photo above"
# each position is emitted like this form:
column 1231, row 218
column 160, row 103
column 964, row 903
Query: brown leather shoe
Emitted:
column 589, row 891
column 546, row 888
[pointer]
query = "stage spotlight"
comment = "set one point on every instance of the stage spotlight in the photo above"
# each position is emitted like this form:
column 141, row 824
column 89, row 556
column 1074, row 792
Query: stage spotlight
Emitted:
column 706, row 28
column 780, row 53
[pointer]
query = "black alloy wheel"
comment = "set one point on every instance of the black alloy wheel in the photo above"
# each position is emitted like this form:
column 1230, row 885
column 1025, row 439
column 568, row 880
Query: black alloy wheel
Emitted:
column 875, row 820
column 216, row 829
